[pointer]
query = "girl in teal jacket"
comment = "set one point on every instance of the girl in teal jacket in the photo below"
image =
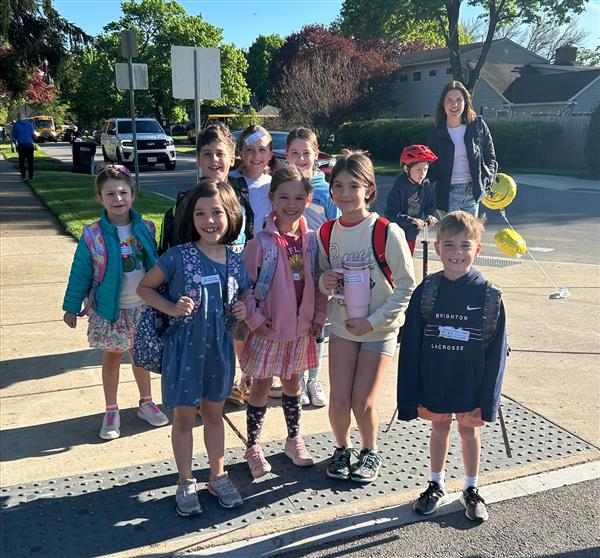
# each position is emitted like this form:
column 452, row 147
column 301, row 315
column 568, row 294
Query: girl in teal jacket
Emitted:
column 123, row 246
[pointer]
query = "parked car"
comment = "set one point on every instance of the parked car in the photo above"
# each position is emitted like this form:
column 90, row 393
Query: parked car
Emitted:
column 153, row 145
column 325, row 162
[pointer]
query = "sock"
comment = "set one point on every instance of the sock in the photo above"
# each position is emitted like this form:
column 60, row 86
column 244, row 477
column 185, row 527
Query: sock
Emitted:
column 313, row 373
column 145, row 399
column 470, row 481
column 255, row 418
column 440, row 478
column 291, row 411
column 112, row 408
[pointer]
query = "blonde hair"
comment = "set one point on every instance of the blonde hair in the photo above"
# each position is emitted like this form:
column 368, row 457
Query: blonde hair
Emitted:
column 241, row 143
column 460, row 222
column 468, row 114
column 358, row 164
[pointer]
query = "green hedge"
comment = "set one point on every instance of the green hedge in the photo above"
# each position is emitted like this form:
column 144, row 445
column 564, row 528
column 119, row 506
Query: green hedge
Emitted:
column 518, row 143
column 592, row 146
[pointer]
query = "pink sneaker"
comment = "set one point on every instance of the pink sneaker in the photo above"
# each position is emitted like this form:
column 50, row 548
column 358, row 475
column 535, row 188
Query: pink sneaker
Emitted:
column 297, row 452
column 255, row 457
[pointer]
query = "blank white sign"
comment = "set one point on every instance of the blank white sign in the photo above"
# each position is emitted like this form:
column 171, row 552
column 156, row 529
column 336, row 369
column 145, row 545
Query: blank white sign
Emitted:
column 209, row 72
column 140, row 76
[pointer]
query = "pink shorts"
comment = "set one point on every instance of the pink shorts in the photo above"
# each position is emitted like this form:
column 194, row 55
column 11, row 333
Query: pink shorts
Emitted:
column 471, row 418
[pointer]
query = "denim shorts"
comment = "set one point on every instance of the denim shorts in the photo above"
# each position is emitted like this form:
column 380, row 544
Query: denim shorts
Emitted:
column 387, row 347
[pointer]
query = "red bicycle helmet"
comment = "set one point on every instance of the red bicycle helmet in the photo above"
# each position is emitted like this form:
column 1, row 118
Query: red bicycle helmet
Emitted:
column 417, row 154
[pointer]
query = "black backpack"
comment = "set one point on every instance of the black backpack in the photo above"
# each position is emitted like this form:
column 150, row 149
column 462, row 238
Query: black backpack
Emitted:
column 167, row 232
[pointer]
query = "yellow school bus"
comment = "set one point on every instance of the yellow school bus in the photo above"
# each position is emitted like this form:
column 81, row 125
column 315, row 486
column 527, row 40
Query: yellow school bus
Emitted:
column 43, row 129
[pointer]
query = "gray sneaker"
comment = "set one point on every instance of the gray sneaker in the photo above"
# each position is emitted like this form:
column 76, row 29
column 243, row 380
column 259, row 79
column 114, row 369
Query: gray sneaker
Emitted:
column 428, row 501
column 225, row 491
column 111, row 425
column 186, row 499
column 474, row 505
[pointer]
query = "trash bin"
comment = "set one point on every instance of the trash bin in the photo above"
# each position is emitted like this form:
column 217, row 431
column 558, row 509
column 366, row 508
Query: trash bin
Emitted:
column 83, row 156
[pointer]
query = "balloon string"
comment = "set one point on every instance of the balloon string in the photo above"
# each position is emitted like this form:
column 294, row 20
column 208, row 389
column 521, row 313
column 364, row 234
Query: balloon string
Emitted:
column 503, row 213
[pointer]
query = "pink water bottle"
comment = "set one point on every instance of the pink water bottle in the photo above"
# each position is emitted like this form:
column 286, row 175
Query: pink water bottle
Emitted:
column 357, row 288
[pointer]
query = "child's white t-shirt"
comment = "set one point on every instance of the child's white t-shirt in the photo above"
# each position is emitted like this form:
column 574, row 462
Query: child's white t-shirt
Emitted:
column 132, row 262
column 461, row 173
column 258, row 191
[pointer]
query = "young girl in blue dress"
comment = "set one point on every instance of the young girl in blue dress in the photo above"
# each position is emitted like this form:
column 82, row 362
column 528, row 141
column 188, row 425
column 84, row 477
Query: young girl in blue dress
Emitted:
column 204, row 279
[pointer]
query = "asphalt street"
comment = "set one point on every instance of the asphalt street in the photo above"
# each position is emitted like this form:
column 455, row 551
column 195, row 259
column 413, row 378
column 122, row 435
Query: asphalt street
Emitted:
column 558, row 225
column 552, row 524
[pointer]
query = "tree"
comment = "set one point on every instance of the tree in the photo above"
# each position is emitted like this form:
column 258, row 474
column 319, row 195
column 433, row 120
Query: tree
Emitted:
column 588, row 57
column 32, row 36
column 496, row 13
column 159, row 24
column 324, row 78
column 259, row 56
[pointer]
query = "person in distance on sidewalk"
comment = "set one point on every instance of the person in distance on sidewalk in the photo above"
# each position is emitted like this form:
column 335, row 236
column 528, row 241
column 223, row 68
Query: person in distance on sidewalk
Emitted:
column 452, row 359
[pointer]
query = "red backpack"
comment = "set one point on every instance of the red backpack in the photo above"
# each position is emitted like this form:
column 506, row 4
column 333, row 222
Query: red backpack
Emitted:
column 378, row 242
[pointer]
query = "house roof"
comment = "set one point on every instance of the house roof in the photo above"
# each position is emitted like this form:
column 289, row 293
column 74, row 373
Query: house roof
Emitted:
column 549, row 88
column 441, row 54
column 499, row 76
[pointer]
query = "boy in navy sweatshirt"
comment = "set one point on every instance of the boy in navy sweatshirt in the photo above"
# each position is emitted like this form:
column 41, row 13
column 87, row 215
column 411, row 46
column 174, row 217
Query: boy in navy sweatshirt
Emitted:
column 452, row 359
column 411, row 202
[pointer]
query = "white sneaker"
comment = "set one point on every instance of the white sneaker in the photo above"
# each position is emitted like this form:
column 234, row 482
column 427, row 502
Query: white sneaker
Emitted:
column 276, row 388
column 186, row 499
column 316, row 392
column 150, row 412
column 304, row 400
column 111, row 425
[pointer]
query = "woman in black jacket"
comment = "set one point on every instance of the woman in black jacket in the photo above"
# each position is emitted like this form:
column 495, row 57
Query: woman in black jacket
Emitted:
column 466, row 161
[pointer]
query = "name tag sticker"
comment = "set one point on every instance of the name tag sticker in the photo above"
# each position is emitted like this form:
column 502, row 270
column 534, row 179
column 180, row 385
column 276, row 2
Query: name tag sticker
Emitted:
column 296, row 277
column 126, row 250
column 210, row 279
column 449, row 332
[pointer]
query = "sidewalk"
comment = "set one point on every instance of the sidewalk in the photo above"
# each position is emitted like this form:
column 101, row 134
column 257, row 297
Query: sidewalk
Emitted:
column 65, row 489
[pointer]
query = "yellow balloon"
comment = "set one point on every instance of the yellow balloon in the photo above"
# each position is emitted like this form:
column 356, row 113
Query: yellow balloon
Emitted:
column 511, row 243
column 505, row 190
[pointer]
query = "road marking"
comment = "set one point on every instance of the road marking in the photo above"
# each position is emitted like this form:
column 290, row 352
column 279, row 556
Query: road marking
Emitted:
column 530, row 248
column 368, row 524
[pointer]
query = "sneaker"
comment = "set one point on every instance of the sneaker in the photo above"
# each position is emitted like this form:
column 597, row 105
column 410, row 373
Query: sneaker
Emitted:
column 237, row 396
column 317, row 394
column 366, row 469
column 339, row 467
column 186, row 499
column 304, row 400
column 111, row 425
column 297, row 452
column 276, row 388
column 474, row 504
column 428, row 501
column 255, row 457
column 150, row 412
column 225, row 491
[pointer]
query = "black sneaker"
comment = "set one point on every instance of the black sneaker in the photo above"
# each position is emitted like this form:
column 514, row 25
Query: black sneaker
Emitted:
column 339, row 466
column 474, row 505
column 366, row 469
column 428, row 501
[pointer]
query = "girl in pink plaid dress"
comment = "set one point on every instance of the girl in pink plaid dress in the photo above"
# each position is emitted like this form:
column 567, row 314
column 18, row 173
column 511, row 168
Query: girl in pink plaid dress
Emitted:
column 285, row 323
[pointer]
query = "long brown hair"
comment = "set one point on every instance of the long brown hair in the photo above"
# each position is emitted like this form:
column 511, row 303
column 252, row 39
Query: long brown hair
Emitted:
column 359, row 166
column 468, row 114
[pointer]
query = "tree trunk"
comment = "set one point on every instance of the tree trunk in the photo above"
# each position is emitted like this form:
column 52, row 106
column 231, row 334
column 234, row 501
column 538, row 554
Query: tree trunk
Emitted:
column 493, row 22
column 452, row 42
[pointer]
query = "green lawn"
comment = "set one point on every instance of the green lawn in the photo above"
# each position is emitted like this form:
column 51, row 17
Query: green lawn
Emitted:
column 71, row 197
column 185, row 149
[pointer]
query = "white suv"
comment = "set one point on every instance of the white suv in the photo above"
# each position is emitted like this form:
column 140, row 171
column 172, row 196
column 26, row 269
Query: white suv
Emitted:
column 153, row 145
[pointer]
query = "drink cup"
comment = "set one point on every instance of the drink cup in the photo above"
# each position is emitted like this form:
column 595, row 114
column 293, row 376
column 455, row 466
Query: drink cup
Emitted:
column 357, row 288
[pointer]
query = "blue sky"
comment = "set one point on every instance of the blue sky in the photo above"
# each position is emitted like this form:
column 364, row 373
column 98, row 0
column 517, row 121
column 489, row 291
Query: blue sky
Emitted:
column 243, row 20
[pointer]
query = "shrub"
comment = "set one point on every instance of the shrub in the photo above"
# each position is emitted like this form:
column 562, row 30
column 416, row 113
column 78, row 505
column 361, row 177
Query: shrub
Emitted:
column 524, row 143
column 592, row 144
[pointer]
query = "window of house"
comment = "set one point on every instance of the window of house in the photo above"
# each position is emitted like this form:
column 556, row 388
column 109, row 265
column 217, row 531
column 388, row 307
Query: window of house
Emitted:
column 416, row 76
column 432, row 73
column 448, row 71
column 402, row 78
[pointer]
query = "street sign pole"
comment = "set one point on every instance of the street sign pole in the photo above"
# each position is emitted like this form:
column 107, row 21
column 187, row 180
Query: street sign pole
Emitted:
column 129, row 50
column 133, row 131
column 197, row 109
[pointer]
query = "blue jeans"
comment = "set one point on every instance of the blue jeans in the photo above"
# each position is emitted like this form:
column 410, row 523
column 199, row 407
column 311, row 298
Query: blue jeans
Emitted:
column 461, row 197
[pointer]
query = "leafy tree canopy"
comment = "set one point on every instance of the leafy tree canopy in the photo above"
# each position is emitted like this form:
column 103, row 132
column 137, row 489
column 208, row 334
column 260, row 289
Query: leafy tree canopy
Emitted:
column 259, row 56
